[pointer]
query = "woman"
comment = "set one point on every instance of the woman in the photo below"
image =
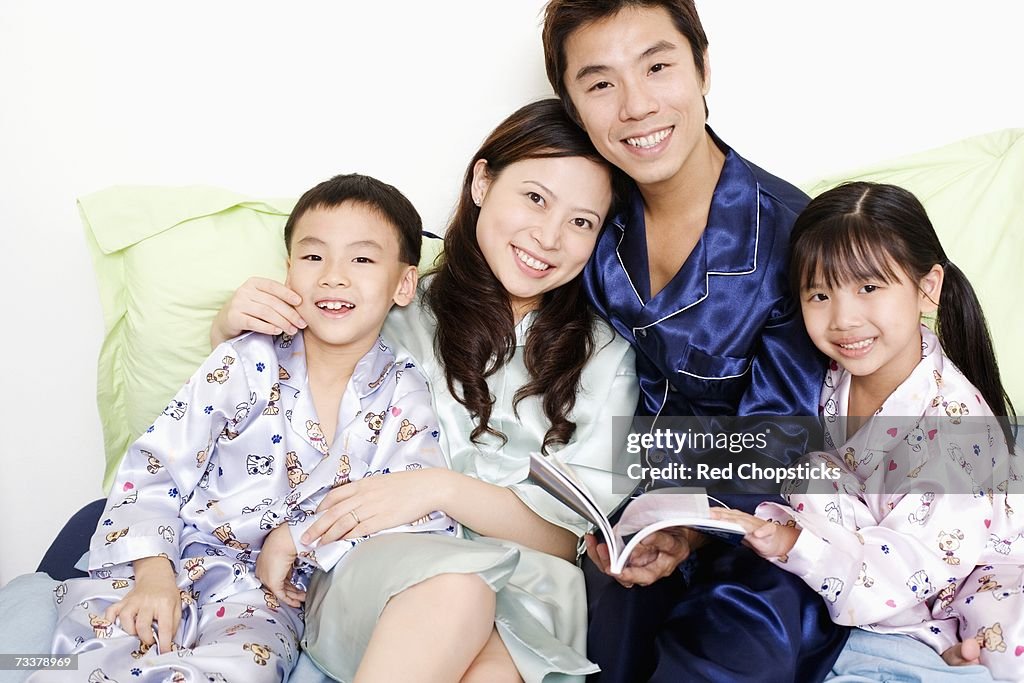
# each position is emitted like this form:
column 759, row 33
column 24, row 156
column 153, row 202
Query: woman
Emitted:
column 517, row 363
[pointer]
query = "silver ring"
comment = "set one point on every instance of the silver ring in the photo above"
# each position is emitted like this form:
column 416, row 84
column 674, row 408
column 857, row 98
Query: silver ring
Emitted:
column 354, row 515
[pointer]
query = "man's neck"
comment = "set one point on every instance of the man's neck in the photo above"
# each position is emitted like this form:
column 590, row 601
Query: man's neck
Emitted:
column 686, row 197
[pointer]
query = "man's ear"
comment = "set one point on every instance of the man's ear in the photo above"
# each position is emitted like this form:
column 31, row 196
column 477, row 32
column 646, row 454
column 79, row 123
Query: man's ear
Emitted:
column 930, row 288
column 706, row 76
column 406, row 290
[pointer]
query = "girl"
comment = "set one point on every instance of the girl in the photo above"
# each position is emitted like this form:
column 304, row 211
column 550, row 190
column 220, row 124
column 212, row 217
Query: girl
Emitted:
column 915, row 537
column 517, row 363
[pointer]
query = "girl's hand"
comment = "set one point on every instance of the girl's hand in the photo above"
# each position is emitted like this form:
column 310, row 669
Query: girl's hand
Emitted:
column 274, row 566
column 767, row 539
column 155, row 598
column 372, row 504
column 965, row 653
column 259, row 305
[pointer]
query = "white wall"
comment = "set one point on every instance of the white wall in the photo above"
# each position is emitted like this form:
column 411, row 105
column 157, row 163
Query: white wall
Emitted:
column 269, row 98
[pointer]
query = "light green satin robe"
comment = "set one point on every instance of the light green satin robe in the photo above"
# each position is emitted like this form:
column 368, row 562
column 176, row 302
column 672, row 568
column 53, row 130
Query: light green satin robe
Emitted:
column 541, row 602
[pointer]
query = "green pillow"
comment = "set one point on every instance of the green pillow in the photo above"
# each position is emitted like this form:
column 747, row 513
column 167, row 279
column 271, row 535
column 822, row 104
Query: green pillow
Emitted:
column 167, row 258
column 972, row 191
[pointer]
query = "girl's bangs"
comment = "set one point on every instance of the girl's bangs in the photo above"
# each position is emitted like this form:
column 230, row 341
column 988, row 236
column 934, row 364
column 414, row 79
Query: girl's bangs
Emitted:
column 844, row 249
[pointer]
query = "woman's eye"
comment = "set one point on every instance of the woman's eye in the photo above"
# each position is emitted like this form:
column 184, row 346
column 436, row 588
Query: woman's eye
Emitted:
column 658, row 67
column 535, row 198
column 582, row 223
column 311, row 257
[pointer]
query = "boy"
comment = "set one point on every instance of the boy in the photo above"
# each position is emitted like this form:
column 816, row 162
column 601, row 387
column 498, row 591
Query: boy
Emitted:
column 243, row 455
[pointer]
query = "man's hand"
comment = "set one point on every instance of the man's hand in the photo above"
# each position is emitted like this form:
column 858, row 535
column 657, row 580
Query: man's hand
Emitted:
column 656, row 557
column 274, row 566
column 154, row 599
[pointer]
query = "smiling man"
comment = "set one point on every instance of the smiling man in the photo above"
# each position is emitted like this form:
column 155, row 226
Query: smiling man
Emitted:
column 693, row 273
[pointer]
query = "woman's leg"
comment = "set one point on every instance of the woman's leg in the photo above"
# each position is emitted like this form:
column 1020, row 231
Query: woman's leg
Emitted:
column 432, row 631
column 493, row 664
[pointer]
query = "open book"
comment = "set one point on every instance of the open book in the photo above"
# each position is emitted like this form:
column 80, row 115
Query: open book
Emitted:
column 649, row 512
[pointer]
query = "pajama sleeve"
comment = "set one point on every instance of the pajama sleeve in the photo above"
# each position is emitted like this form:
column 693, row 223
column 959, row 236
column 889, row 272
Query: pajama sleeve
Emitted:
column 408, row 440
column 872, row 567
column 165, row 464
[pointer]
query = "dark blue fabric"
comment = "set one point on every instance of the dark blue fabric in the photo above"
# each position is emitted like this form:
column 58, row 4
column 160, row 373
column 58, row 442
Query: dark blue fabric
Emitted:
column 739, row 620
column 71, row 543
column 723, row 338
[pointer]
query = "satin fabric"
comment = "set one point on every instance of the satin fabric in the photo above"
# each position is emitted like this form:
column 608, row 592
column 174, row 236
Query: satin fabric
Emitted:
column 724, row 337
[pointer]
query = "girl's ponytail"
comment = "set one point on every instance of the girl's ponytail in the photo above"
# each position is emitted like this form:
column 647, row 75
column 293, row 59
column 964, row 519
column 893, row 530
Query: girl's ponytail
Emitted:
column 963, row 332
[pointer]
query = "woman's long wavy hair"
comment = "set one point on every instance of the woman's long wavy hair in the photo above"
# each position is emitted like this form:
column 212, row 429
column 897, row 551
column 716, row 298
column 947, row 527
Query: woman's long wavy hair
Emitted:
column 870, row 231
column 475, row 325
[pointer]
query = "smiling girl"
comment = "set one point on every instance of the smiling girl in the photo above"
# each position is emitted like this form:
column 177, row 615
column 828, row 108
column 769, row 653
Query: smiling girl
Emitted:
column 915, row 543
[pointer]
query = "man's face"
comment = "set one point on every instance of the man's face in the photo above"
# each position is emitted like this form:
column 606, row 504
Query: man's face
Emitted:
column 638, row 93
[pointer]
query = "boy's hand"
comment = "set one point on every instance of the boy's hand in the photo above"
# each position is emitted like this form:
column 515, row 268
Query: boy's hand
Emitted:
column 963, row 654
column 767, row 539
column 274, row 566
column 259, row 305
column 155, row 598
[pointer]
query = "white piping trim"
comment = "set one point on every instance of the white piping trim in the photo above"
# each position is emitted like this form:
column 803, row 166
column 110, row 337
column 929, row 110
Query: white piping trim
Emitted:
column 690, row 374
column 622, row 236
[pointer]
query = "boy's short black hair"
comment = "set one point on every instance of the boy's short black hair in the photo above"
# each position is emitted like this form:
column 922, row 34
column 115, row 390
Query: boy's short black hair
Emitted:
column 378, row 196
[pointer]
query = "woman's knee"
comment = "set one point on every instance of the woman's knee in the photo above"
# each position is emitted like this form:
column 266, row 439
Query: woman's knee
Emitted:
column 453, row 593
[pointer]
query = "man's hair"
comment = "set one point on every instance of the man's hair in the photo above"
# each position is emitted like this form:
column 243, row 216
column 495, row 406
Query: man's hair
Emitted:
column 384, row 199
column 562, row 18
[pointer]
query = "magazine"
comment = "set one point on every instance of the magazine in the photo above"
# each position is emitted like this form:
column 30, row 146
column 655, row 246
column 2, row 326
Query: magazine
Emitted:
column 642, row 516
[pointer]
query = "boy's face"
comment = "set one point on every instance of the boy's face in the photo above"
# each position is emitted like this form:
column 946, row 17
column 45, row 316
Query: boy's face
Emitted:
column 638, row 93
column 344, row 264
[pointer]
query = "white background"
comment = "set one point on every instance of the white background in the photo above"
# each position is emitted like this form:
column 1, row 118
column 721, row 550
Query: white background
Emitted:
column 268, row 98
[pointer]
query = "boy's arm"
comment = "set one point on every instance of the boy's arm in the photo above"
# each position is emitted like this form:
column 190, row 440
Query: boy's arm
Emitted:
column 165, row 464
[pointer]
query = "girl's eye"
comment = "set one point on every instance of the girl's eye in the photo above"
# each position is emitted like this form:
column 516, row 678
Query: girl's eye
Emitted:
column 817, row 296
column 867, row 289
column 582, row 223
column 311, row 257
column 535, row 198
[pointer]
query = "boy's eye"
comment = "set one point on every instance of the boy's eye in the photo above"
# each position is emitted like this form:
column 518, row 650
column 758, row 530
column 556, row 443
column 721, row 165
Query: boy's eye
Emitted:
column 311, row 257
column 362, row 259
column 535, row 198
column 582, row 223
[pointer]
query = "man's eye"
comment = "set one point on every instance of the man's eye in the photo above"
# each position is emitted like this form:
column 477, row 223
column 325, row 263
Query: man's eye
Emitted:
column 601, row 85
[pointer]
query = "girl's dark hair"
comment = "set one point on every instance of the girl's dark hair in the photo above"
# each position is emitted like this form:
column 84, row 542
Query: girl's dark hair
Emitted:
column 475, row 325
column 865, row 231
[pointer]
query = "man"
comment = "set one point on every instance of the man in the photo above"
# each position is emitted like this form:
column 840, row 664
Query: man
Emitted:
column 693, row 272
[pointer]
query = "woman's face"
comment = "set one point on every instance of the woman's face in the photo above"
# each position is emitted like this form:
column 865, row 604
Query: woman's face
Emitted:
column 539, row 220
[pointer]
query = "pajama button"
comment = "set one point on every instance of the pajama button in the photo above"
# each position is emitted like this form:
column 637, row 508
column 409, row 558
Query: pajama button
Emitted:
column 641, row 333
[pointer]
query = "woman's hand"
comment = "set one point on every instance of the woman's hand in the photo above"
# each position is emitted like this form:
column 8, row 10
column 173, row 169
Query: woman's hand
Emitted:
column 259, row 305
column 767, row 539
column 155, row 598
column 372, row 504
column 274, row 566
column 656, row 557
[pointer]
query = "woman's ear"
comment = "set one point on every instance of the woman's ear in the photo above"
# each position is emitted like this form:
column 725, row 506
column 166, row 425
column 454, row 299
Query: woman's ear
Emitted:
column 481, row 181
column 930, row 288
column 406, row 290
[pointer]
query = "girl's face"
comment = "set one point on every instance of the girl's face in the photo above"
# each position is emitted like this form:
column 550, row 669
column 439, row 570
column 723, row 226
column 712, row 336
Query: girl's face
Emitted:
column 539, row 220
column 872, row 328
